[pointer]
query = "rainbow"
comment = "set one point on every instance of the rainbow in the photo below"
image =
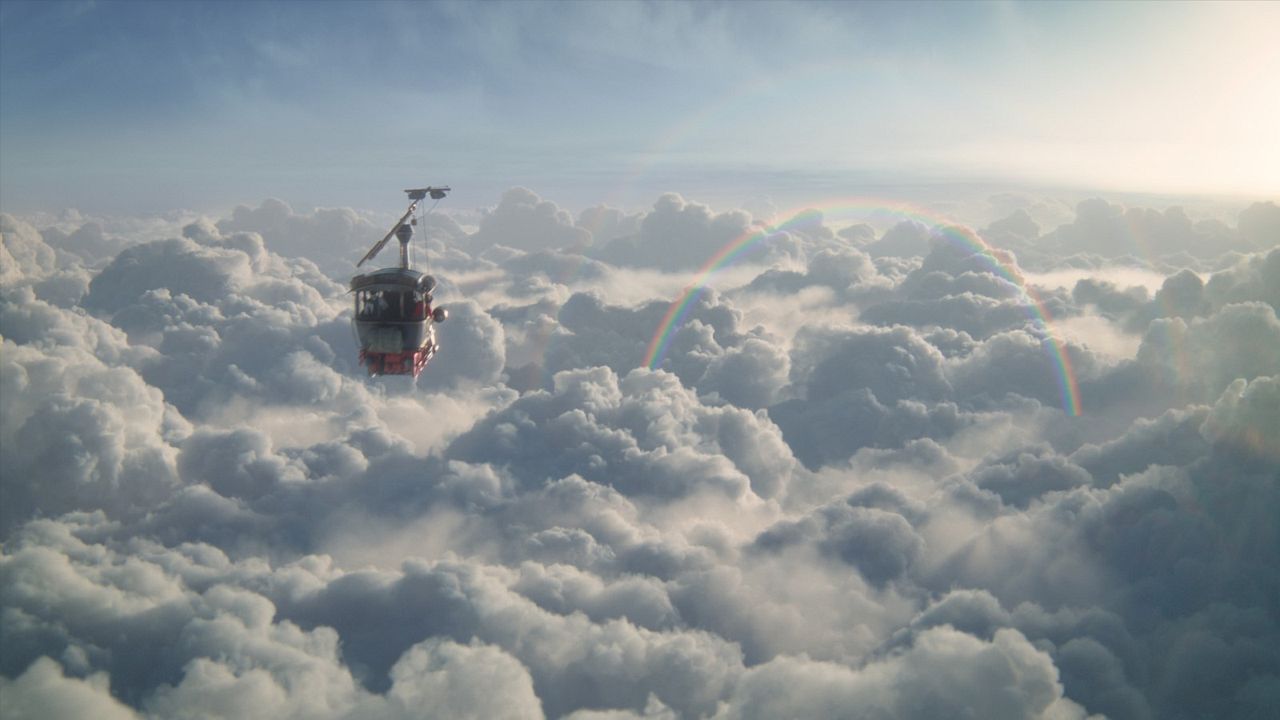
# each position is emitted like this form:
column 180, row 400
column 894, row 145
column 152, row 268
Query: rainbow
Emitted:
column 1000, row 263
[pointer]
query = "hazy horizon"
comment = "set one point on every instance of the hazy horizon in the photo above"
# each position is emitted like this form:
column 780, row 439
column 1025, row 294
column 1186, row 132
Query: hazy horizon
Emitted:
column 128, row 107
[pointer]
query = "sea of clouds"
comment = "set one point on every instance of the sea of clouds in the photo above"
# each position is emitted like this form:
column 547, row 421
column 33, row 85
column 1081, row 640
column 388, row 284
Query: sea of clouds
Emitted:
column 853, row 487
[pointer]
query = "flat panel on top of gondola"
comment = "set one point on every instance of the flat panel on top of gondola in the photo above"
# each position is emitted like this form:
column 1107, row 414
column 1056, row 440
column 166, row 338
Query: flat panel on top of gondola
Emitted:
column 394, row 317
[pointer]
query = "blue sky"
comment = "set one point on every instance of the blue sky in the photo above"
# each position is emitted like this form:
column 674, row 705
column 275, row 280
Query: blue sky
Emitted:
column 147, row 106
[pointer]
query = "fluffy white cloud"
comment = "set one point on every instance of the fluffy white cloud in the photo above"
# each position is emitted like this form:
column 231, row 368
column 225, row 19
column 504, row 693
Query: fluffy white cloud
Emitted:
column 24, row 255
column 332, row 238
column 905, row 239
column 607, row 224
column 44, row 692
column 1201, row 357
column 643, row 434
column 865, row 388
column 677, row 234
column 944, row 673
column 1246, row 420
column 1111, row 230
column 1259, row 224
column 524, row 221
column 79, row 433
column 445, row 679
column 880, row 544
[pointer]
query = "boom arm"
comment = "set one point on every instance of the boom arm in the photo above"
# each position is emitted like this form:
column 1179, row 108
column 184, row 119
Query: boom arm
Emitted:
column 416, row 195
column 377, row 247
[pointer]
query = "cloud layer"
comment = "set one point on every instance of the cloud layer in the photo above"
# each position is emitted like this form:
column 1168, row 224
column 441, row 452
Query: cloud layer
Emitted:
column 852, row 484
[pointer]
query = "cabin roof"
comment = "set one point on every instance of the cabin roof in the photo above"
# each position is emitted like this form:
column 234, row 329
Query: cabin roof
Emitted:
column 387, row 279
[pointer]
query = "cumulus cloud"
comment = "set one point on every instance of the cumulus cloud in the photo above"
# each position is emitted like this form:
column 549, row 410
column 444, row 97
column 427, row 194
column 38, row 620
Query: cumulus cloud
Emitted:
column 1201, row 357
column 855, row 482
column 643, row 434
column 676, row 234
column 1159, row 237
column 945, row 672
column 43, row 691
column 880, row 544
column 524, row 221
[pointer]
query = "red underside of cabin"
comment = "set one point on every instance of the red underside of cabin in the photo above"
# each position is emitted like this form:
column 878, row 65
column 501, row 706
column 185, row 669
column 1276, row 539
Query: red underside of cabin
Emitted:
column 401, row 363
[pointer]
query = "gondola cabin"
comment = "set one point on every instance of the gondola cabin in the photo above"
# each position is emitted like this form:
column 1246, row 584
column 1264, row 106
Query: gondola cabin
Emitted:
column 394, row 320
column 394, row 316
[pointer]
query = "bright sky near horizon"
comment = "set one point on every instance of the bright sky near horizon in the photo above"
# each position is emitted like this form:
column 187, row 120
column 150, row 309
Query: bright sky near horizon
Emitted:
column 149, row 106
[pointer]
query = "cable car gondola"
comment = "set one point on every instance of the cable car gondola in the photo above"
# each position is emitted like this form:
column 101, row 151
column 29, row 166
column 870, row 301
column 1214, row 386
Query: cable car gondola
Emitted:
column 394, row 317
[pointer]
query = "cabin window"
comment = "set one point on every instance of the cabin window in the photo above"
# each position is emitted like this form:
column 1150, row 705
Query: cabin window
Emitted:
column 391, row 305
column 372, row 305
